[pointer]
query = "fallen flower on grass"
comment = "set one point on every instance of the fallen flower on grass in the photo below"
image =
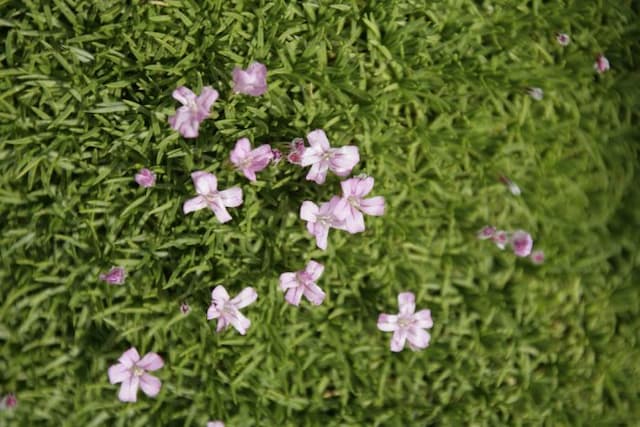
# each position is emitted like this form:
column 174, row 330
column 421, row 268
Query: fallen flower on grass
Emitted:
column 251, row 161
column 145, row 178
column 303, row 283
column 353, row 204
column 321, row 219
column 194, row 110
column 522, row 243
column 602, row 64
column 132, row 373
column 252, row 81
column 407, row 325
column 227, row 311
column 321, row 157
column 208, row 196
column 115, row 276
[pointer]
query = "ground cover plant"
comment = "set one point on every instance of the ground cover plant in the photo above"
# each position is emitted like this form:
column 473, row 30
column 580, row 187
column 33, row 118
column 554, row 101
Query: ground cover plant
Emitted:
column 467, row 114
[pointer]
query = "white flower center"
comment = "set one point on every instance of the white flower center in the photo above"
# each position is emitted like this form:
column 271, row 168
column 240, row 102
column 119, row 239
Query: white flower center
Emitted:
column 353, row 201
column 137, row 371
column 405, row 321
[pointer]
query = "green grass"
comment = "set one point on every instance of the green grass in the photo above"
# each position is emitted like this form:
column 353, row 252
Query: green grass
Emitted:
column 434, row 96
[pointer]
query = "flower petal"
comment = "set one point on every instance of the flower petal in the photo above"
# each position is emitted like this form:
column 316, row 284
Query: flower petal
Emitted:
column 407, row 302
column 354, row 222
column 308, row 211
column 231, row 197
column 423, row 319
column 344, row 159
column 213, row 312
column 184, row 95
column 398, row 339
column 239, row 321
column 314, row 270
column 418, row 338
column 322, row 233
column 244, row 298
column 207, row 98
column 314, row 294
column 129, row 389
column 388, row 322
column 129, row 357
column 194, row 204
column 240, row 151
column 221, row 212
column 318, row 172
column 288, row 280
column 294, row 295
column 219, row 295
column 363, row 186
column 222, row 324
column 342, row 208
column 118, row 373
column 373, row 206
column 318, row 140
column 205, row 182
column 151, row 362
column 150, row 385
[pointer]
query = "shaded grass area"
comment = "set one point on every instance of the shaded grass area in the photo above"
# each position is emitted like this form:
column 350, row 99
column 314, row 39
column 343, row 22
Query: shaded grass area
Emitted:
column 434, row 97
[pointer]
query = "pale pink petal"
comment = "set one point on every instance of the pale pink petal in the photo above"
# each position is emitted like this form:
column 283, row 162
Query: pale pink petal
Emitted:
column 363, row 187
column 308, row 211
column 313, row 293
column 311, row 156
column 213, row 312
column 150, row 385
column 318, row 140
column 522, row 243
column 314, row 270
column 423, row 319
column 487, row 232
column 205, row 182
column 250, row 174
column 388, row 322
column 206, row 99
column 418, row 338
column 398, row 339
column 221, row 212
column 239, row 322
column 222, row 324
column 145, row 178
column 311, row 227
column 219, row 295
column 342, row 208
column 215, row 424
column 231, row 197
column 241, row 151
column 184, row 95
column 244, row 298
column 194, row 204
column 184, row 122
column 129, row 389
column 318, row 172
column 129, row 357
column 344, row 159
column 354, row 221
column 261, row 157
column 294, row 295
column 373, row 206
column 151, row 362
column 348, row 187
column 406, row 302
column 118, row 373
column 288, row 280
column 322, row 233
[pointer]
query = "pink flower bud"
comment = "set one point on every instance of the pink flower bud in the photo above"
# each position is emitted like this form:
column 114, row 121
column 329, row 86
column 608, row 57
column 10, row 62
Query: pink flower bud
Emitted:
column 602, row 64
column 146, row 178
column 563, row 39
column 522, row 243
column 486, row 233
column 537, row 257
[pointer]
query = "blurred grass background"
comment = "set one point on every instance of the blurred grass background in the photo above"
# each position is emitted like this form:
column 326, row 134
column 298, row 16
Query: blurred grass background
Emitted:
column 434, row 95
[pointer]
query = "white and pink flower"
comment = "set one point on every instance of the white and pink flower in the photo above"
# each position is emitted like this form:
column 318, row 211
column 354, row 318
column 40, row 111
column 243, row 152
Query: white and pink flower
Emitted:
column 132, row 373
column 408, row 326
column 321, row 157
column 303, row 283
column 209, row 197
column 227, row 310
column 194, row 110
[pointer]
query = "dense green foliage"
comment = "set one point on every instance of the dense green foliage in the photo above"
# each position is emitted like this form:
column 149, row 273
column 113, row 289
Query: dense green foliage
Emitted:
column 434, row 95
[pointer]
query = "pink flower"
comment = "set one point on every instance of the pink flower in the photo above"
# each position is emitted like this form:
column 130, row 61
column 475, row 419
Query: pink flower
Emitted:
column 322, row 157
column 486, row 233
column 537, row 257
column 8, row 402
column 303, row 283
column 500, row 238
column 321, row 219
column 184, row 308
column 563, row 39
column 353, row 203
column 297, row 150
column 194, row 110
column 208, row 196
column 252, row 82
column 522, row 243
column 602, row 64
column 115, row 276
column 215, row 424
column 277, row 155
column 228, row 311
column 250, row 161
column 132, row 372
column 146, row 178
column 407, row 325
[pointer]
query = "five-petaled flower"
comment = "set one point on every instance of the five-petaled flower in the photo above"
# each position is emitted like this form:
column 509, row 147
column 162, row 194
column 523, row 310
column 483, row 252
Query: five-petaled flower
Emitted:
column 303, row 283
column 322, row 157
column 522, row 243
column 563, row 39
column 602, row 64
column 194, row 110
column 251, row 161
column 132, row 373
column 252, row 81
column 321, row 219
column 408, row 325
column 353, row 203
column 115, row 276
column 227, row 311
column 145, row 178
column 208, row 196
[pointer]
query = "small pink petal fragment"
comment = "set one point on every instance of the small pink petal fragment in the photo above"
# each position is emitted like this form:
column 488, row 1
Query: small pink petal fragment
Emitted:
column 537, row 257
column 563, row 39
column 602, row 64
column 227, row 311
column 194, row 110
column 146, row 178
column 252, row 81
column 486, row 233
column 407, row 326
column 115, row 276
column 522, row 243
column 206, row 185
column 131, row 372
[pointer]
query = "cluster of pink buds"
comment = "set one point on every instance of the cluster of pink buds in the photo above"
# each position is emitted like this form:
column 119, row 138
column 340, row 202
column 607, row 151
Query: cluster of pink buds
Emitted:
column 520, row 241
